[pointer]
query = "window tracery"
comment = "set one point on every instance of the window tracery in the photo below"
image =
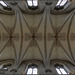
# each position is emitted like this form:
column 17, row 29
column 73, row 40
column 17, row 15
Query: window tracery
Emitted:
column 60, row 4
column 60, row 69
column 32, row 4
column 5, row 66
column 5, row 5
column 32, row 69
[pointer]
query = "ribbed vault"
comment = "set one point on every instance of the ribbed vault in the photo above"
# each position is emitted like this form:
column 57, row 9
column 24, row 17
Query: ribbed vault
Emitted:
column 37, row 35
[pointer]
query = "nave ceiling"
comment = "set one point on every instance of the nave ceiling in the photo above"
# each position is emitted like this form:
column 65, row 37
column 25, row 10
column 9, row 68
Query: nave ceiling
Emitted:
column 37, row 35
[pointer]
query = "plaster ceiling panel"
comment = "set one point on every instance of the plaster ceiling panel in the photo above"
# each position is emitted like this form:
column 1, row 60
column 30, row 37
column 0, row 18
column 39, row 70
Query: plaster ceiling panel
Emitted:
column 40, row 36
column 59, row 54
column 17, row 34
column 72, row 37
column 33, row 19
column 7, row 53
column 26, row 36
column 63, row 35
column 58, row 21
column 33, row 53
column 50, row 36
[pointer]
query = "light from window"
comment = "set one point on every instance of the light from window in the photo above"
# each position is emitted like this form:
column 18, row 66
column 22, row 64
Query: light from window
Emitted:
column 61, row 70
column 32, row 2
column 29, row 2
column 60, row 5
column 61, row 2
column 4, row 4
column 35, row 71
column 1, row 67
column 35, row 2
column 32, row 70
column 58, row 71
column 5, row 68
column 29, row 71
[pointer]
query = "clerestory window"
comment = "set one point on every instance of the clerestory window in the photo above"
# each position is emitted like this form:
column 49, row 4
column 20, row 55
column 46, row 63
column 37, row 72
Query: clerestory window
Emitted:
column 60, row 4
column 60, row 69
column 32, row 4
column 32, row 69
column 4, row 67
column 5, row 5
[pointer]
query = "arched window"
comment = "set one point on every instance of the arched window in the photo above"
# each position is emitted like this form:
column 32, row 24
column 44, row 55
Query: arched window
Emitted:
column 3, row 3
column 5, row 66
column 32, row 69
column 60, row 4
column 32, row 4
column 60, row 69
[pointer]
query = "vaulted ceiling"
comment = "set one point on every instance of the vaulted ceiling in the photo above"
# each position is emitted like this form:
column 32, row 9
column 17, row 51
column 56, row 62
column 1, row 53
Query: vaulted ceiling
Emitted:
column 37, row 35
